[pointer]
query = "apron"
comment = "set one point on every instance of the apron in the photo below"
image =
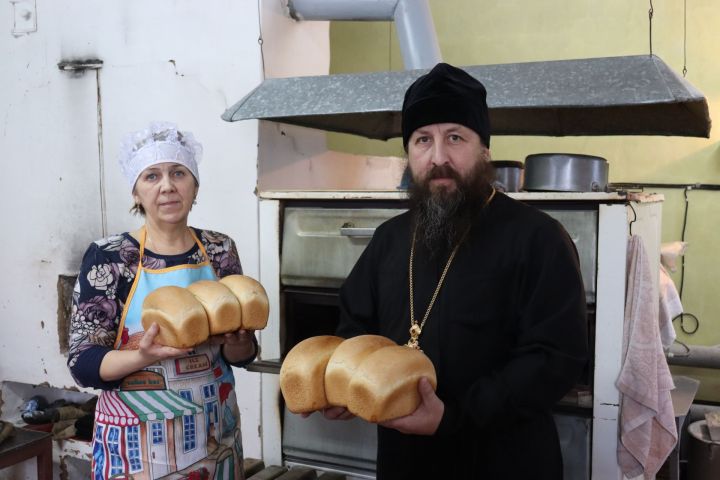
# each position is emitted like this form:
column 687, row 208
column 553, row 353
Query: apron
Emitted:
column 177, row 418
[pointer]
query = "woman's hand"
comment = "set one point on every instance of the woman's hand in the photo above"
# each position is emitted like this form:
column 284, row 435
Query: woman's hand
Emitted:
column 237, row 346
column 152, row 351
column 117, row 364
column 426, row 417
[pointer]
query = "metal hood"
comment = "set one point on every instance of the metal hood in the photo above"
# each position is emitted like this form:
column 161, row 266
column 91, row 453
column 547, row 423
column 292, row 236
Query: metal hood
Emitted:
column 630, row 95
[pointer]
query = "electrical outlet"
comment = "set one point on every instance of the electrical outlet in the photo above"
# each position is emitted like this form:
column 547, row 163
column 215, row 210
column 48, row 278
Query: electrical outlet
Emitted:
column 24, row 17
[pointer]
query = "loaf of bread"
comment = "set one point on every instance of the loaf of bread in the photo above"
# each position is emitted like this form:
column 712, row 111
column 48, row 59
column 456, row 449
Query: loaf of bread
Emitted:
column 385, row 384
column 221, row 306
column 302, row 374
column 253, row 300
column 181, row 317
column 345, row 360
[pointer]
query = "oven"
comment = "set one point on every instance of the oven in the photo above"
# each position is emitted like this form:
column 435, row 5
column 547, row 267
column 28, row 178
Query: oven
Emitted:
column 320, row 241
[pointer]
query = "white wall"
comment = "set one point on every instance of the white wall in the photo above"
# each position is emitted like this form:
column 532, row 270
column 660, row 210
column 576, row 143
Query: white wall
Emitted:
column 51, row 172
column 53, row 169
column 297, row 158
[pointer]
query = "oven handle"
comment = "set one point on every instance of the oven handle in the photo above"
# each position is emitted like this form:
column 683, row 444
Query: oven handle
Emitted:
column 357, row 232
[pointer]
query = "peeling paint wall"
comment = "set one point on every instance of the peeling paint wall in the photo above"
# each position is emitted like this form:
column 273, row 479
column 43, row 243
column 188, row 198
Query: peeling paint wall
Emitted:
column 175, row 60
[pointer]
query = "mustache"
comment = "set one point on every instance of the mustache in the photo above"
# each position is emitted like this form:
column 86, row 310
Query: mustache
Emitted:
column 442, row 216
column 443, row 171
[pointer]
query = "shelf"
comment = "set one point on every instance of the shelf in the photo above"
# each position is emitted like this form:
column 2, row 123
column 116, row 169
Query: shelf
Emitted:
column 403, row 195
column 265, row 366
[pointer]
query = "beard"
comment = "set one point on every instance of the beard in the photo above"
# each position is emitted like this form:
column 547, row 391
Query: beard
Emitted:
column 443, row 216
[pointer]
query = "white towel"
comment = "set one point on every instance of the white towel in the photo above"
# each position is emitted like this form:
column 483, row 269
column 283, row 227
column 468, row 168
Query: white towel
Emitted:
column 647, row 421
column 670, row 307
column 669, row 253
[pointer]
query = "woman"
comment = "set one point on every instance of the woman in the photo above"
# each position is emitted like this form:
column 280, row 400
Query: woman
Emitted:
column 161, row 409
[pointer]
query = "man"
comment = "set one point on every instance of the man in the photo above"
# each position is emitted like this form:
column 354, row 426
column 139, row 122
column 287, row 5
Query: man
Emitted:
column 489, row 288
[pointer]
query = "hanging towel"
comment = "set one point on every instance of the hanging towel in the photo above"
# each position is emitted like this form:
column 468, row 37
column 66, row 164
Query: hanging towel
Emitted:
column 670, row 307
column 669, row 253
column 647, row 421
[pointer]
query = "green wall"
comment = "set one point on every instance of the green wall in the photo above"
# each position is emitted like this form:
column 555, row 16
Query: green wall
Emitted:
column 475, row 32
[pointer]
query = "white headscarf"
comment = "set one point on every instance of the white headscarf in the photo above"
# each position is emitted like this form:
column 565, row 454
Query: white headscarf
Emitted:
column 160, row 142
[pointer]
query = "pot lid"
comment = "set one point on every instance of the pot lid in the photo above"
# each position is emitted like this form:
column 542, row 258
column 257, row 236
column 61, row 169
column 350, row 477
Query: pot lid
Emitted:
column 507, row 164
column 629, row 95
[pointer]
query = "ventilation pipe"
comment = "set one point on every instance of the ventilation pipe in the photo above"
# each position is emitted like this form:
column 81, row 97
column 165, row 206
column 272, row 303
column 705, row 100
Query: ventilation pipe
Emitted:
column 698, row 356
column 413, row 20
column 629, row 95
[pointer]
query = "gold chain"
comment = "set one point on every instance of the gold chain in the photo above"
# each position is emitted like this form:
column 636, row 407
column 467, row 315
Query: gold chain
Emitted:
column 415, row 329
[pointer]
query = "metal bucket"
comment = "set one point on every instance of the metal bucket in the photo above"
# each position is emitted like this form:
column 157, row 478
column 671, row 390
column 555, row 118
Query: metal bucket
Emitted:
column 566, row 172
column 703, row 454
column 509, row 175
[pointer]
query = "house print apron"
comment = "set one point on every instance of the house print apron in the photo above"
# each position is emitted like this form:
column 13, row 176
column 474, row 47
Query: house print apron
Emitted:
column 175, row 419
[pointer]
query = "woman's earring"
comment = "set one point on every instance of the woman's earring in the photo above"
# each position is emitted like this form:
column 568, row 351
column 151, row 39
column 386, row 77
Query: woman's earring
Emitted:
column 194, row 201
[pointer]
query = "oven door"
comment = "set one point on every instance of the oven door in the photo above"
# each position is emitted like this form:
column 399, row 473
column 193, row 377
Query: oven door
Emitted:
column 321, row 245
column 344, row 446
column 341, row 446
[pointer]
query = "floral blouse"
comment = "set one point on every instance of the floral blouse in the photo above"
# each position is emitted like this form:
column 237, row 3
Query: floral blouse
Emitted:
column 106, row 275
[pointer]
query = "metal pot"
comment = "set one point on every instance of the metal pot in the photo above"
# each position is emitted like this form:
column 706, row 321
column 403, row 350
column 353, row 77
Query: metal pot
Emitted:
column 508, row 175
column 566, row 172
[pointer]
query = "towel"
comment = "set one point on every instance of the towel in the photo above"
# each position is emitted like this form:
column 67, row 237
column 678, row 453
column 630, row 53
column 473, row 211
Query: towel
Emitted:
column 669, row 253
column 670, row 307
column 647, row 421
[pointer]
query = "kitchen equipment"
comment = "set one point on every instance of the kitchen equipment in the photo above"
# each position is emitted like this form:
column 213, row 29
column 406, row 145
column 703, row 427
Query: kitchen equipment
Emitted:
column 704, row 453
column 566, row 172
column 320, row 242
column 320, row 245
column 625, row 95
column 509, row 175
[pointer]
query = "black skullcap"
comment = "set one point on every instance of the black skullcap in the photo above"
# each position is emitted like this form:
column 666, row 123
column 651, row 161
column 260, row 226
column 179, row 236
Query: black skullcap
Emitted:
column 446, row 94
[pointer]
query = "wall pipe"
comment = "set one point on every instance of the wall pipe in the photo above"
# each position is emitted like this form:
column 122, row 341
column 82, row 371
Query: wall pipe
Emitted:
column 694, row 356
column 415, row 28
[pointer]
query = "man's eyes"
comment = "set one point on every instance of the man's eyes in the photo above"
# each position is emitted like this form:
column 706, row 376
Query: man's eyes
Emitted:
column 452, row 138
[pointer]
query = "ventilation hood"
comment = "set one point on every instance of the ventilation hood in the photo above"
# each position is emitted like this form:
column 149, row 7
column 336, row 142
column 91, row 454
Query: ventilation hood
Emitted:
column 629, row 95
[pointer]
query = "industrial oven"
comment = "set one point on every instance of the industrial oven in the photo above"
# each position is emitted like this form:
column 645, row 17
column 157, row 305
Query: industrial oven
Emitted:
column 311, row 241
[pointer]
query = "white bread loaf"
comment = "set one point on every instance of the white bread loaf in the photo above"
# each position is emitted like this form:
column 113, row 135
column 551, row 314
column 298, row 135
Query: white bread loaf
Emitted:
column 302, row 374
column 221, row 305
column 253, row 300
column 385, row 384
column 181, row 317
column 345, row 360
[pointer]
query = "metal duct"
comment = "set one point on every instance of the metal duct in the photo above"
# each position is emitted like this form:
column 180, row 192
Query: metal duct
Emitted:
column 694, row 356
column 415, row 29
column 630, row 95
column 371, row 10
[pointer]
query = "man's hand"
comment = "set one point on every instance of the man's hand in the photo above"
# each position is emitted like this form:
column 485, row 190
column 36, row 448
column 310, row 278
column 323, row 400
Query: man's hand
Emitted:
column 426, row 418
column 333, row 413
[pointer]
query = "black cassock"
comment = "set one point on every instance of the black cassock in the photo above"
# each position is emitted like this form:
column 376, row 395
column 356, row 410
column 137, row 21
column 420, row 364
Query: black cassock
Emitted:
column 507, row 336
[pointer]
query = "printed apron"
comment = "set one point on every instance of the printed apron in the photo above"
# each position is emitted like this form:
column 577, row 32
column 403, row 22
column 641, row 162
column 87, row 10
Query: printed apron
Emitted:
column 177, row 418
